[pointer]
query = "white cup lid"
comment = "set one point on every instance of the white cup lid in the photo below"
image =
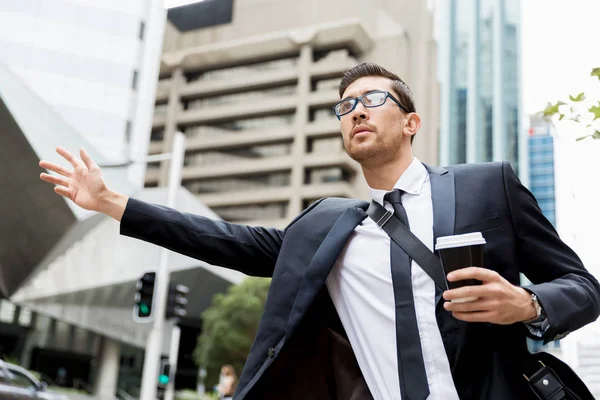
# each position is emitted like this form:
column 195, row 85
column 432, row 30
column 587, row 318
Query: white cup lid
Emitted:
column 468, row 239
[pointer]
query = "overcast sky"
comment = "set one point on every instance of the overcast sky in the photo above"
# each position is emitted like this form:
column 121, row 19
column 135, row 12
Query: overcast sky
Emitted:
column 561, row 44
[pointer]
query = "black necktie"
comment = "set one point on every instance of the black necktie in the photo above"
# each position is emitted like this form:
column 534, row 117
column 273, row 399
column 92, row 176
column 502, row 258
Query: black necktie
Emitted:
column 411, row 369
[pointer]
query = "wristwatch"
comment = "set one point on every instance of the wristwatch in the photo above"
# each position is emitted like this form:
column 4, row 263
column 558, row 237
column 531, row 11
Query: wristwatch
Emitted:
column 538, row 308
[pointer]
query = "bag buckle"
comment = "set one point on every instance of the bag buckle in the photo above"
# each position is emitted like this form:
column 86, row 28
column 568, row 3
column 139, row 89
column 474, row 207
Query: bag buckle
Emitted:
column 528, row 379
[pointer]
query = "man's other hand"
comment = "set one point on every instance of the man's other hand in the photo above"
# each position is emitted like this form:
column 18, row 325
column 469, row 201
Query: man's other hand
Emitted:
column 499, row 301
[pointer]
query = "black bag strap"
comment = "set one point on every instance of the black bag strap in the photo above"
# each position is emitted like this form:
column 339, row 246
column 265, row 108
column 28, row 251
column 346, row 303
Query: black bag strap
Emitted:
column 403, row 237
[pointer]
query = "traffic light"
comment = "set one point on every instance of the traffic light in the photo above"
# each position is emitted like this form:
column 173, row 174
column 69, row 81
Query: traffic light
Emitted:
column 144, row 298
column 176, row 301
column 164, row 376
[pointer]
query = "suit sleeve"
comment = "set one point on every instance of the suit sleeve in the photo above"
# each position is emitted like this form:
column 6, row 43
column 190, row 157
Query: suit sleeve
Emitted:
column 568, row 293
column 251, row 250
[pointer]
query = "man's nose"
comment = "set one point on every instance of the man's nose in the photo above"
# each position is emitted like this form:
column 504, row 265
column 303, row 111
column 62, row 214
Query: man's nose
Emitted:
column 360, row 111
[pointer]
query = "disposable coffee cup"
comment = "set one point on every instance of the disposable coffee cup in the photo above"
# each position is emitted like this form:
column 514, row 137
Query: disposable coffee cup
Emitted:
column 461, row 251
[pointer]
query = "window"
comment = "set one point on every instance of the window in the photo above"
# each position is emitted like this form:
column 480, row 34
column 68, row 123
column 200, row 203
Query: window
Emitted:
column 128, row 132
column 19, row 379
column 326, row 175
column 134, row 80
column 142, row 30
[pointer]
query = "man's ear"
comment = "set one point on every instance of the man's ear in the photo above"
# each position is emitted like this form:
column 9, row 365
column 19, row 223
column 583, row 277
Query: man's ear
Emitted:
column 413, row 124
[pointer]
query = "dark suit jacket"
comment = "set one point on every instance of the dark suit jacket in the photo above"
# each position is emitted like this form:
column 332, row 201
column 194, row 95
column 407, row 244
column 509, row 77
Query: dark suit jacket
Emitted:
column 301, row 350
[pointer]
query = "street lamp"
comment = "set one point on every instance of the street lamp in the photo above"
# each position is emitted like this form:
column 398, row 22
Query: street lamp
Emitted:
column 161, row 285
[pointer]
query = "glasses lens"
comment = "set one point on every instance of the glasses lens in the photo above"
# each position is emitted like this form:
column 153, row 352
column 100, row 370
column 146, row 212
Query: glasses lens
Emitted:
column 344, row 107
column 374, row 99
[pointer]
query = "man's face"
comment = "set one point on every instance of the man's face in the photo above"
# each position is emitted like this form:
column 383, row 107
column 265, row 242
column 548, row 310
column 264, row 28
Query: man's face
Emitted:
column 373, row 136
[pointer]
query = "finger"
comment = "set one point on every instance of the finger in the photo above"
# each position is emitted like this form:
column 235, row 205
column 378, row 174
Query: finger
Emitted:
column 482, row 274
column 467, row 291
column 480, row 316
column 87, row 160
column 471, row 306
column 69, row 157
column 63, row 191
column 55, row 168
column 57, row 180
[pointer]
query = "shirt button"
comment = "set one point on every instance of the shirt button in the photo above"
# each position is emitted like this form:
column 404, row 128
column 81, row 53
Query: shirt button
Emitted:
column 271, row 352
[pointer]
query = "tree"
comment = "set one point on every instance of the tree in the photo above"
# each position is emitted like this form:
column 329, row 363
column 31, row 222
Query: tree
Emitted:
column 578, row 109
column 229, row 326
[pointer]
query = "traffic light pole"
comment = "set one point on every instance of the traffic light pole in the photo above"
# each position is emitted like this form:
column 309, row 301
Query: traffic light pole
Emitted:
column 173, row 355
column 155, row 338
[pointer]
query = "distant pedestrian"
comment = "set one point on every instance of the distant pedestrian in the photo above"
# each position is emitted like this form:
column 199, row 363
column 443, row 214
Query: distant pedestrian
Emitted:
column 227, row 382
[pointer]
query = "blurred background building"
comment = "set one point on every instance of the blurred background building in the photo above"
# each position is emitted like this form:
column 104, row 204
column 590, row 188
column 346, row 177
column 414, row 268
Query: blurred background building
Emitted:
column 541, row 165
column 94, row 62
column 479, row 72
column 255, row 98
column 250, row 82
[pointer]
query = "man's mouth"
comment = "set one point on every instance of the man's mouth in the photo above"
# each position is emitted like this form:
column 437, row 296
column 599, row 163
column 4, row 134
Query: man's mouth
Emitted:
column 363, row 130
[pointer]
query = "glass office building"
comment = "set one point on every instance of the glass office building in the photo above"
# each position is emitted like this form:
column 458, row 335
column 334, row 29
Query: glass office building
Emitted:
column 541, row 167
column 480, row 81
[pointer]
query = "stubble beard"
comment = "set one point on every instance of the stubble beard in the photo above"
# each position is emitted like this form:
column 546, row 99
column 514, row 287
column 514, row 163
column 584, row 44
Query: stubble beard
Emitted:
column 374, row 154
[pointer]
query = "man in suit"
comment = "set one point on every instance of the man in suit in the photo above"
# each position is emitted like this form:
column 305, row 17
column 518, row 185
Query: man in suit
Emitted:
column 349, row 315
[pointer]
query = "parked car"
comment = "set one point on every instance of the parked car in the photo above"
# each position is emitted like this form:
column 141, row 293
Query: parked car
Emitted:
column 17, row 383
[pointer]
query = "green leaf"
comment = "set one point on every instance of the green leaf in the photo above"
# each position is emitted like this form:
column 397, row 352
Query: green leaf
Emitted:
column 596, row 135
column 578, row 98
column 595, row 110
column 552, row 109
column 562, row 116
column 581, row 138
column 596, row 72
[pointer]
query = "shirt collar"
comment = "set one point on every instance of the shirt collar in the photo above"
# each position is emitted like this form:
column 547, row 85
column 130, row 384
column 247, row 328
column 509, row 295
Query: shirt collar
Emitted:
column 411, row 181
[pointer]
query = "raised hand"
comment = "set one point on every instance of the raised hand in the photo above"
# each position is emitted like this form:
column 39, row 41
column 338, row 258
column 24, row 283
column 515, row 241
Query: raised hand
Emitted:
column 84, row 184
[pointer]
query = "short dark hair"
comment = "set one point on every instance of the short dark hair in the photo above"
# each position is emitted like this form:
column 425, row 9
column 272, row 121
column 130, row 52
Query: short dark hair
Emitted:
column 404, row 93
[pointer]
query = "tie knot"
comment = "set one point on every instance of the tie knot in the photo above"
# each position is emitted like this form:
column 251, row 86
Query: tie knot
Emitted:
column 394, row 197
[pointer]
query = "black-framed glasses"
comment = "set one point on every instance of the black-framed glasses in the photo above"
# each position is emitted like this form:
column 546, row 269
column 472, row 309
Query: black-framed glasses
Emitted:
column 372, row 99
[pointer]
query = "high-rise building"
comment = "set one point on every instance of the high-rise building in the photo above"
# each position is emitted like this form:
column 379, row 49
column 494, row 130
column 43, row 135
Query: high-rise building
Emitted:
column 541, row 166
column 479, row 59
column 254, row 96
column 95, row 62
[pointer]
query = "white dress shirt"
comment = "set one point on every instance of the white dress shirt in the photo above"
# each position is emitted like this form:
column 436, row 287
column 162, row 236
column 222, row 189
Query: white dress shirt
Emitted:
column 360, row 286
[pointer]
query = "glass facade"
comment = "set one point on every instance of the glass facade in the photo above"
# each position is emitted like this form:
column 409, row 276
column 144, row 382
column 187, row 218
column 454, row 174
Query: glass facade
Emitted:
column 541, row 173
column 479, row 76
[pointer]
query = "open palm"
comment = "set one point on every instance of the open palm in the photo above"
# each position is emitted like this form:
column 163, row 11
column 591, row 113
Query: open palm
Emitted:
column 84, row 184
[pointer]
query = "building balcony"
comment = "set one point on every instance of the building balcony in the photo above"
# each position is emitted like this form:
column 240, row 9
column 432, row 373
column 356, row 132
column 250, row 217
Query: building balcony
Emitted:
column 349, row 33
column 323, row 98
column 334, row 189
column 276, row 194
column 333, row 66
column 256, row 196
column 243, row 82
column 241, row 139
column 159, row 120
column 156, row 147
column 267, row 106
column 320, row 160
column 162, row 90
column 323, row 128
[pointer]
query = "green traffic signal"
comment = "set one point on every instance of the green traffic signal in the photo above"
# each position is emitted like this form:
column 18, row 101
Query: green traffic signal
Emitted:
column 163, row 379
column 144, row 310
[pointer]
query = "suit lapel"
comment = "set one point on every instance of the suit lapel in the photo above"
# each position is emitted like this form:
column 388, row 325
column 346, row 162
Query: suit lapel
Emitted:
column 444, row 206
column 323, row 260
